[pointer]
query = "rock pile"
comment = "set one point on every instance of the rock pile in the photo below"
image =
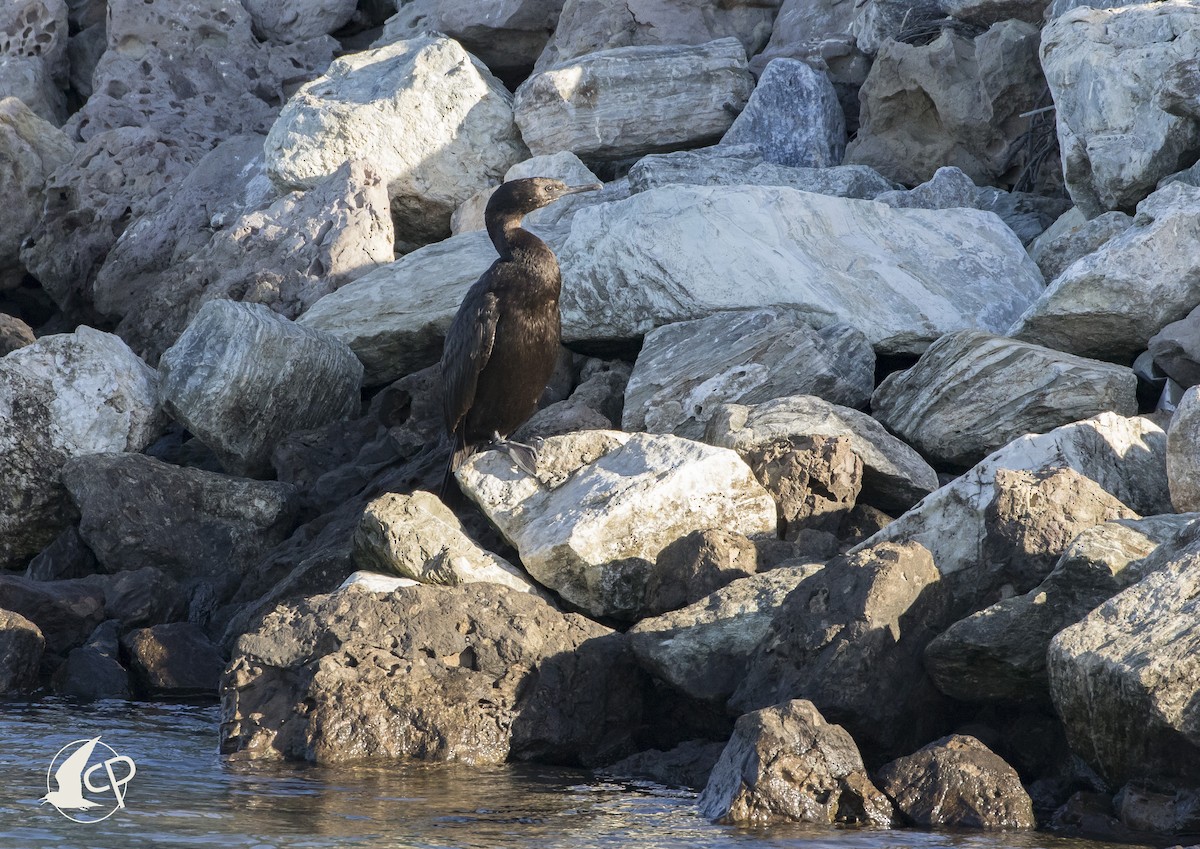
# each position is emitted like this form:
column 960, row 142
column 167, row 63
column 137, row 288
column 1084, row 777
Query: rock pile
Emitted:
column 862, row 483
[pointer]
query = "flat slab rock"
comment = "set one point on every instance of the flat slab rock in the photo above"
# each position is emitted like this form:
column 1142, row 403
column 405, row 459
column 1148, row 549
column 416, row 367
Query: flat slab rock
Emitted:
column 898, row 275
column 605, row 504
column 684, row 370
column 478, row 674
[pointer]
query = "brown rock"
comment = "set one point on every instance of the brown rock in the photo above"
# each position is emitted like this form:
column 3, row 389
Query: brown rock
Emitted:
column 21, row 645
column 692, row 567
column 815, row 481
column 14, row 334
column 173, row 660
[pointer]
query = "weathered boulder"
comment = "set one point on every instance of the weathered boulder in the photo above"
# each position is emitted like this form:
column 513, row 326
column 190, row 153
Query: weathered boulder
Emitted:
column 65, row 612
column 988, row 12
column 477, row 673
column 194, row 526
column 743, row 165
column 242, row 377
column 286, row 256
column 685, row 369
column 687, row 765
column 589, row 26
column 376, row 583
column 815, row 481
column 63, row 396
column 429, row 117
column 31, row 149
column 957, row 782
column 175, row 659
column 972, row 392
column 703, row 649
column 1183, row 434
column 696, row 565
column 605, row 504
column 21, row 645
column 596, row 403
column 1164, row 810
column 629, row 101
column 36, row 28
column 877, row 22
column 1109, row 303
column 1125, row 680
column 275, row 20
column 84, row 50
column 850, row 638
column 954, row 101
column 508, row 36
column 786, row 763
column 417, row 536
column 1074, row 238
column 1176, row 349
column 94, row 671
column 28, row 78
column 999, row 653
column 681, row 252
column 894, row 476
column 793, row 117
column 14, row 334
column 1116, row 139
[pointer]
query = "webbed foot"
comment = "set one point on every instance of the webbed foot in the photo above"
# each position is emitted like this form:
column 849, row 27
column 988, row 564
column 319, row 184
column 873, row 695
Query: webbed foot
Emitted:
column 524, row 456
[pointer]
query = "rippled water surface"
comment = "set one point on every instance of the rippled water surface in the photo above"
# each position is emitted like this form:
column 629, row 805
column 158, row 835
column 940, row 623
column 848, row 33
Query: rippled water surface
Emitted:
column 184, row 795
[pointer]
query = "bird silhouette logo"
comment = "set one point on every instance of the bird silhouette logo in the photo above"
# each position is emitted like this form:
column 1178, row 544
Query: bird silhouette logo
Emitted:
column 73, row 775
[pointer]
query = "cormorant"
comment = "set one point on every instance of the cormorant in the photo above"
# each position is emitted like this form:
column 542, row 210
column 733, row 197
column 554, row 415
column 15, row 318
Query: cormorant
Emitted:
column 503, row 344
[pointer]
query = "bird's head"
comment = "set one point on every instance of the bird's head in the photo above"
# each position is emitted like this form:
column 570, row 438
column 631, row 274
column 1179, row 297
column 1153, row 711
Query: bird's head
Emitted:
column 524, row 196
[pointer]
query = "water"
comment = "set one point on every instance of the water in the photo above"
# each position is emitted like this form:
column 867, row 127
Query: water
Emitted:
column 185, row 795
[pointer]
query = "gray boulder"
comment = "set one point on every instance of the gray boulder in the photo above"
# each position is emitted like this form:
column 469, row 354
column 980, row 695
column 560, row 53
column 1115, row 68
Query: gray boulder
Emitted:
column 1073, row 238
column 21, row 645
column 278, row 21
column 478, row 674
column 971, row 393
column 793, row 117
column 508, row 37
column 686, row 369
column 786, row 763
column 1176, row 349
column 241, row 377
column 94, row 671
column 28, row 78
column 36, row 29
column 957, row 782
column 894, row 476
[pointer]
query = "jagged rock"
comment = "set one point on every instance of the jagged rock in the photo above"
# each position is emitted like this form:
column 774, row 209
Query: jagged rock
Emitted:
column 703, row 649
column 971, row 393
column 563, row 165
column 94, row 671
column 65, row 612
column 63, row 396
column 1109, row 303
column 376, row 583
column 793, row 117
column 28, row 78
column 1124, row 456
column 417, row 536
column 851, row 637
column 275, row 20
column 176, row 659
column 877, row 22
column 477, row 673
column 508, row 37
column 1183, row 433
column 21, row 645
column 988, row 12
column 1144, row 809
column 743, row 165
column 1035, row 515
column 955, row 101
column 786, row 763
column 84, row 50
column 957, row 782
column 14, row 334
column 195, row 526
column 287, row 255
column 1027, row 215
column 681, row 252
column 596, row 404
column 1081, row 237
column 687, row 765
column 1125, row 679
column 1176, row 349
column 695, row 565
column 605, row 504
column 36, row 29
column 429, row 117
column 629, row 101
column 113, row 178
column 588, row 26
column 999, row 653
column 67, row 557
column 143, row 597
column 242, row 377
column 685, row 369
column 31, row 149
column 815, row 481
column 1116, row 139
column 894, row 476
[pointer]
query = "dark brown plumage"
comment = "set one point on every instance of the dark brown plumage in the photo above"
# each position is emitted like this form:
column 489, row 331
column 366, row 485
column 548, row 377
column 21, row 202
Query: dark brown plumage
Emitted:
column 503, row 343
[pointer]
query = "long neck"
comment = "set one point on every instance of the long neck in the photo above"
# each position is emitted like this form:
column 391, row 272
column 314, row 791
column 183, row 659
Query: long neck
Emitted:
column 508, row 236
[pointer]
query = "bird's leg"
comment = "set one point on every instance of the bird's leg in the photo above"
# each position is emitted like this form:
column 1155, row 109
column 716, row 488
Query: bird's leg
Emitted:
column 525, row 456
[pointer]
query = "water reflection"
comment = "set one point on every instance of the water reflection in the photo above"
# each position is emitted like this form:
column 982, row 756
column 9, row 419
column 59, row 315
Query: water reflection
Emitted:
column 185, row 795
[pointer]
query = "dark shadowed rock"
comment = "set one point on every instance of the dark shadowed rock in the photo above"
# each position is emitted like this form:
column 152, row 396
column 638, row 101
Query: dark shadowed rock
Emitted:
column 1176, row 349
column 786, row 763
column 173, row 660
column 67, row 557
column 65, row 612
column 957, row 782
column 814, row 480
column 1162, row 810
column 477, row 673
column 694, row 566
column 21, row 645
column 687, row 765
column 94, row 670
